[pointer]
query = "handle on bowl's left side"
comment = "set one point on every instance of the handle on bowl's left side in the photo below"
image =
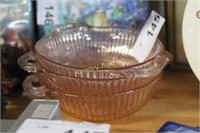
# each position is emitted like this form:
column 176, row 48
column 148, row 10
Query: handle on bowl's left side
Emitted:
column 27, row 62
column 33, row 88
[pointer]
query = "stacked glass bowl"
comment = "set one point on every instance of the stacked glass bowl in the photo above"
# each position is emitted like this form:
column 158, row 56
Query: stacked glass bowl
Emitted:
column 92, row 72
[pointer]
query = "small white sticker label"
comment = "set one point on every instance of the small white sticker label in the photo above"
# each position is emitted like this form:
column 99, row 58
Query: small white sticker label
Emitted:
column 147, row 36
column 48, row 12
column 58, row 126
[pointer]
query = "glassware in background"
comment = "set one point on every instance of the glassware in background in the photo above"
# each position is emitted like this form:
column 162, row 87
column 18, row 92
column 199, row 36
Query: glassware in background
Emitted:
column 15, row 39
column 101, row 13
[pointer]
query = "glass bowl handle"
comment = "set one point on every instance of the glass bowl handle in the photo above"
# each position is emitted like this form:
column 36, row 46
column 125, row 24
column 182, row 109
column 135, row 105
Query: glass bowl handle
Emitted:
column 156, row 64
column 33, row 88
column 27, row 62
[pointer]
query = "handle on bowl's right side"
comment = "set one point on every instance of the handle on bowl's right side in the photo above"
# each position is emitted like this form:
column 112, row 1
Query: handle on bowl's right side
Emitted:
column 156, row 65
column 32, row 87
column 150, row 68
column 27, row 62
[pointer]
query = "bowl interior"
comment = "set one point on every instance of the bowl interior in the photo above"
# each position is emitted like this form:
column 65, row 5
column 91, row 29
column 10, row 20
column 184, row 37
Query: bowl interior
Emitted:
column 82, row 47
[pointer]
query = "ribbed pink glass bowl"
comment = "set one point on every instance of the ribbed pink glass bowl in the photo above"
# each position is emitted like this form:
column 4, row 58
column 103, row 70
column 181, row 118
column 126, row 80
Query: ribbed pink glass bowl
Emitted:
column 92, row 53
column 104, row 108
column 86, row 87
column 89, row 68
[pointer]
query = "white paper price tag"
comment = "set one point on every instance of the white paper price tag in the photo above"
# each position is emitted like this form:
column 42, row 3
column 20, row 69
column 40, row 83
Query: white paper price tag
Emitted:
column 58, row 126
column 147, row 36
column 48, row 12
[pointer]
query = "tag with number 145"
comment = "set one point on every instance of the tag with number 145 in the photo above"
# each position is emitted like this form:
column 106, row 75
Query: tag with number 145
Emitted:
column 147, row 36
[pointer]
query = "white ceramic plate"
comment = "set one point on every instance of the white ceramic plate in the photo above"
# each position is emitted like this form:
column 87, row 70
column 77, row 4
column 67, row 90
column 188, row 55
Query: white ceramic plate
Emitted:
column 191, row 35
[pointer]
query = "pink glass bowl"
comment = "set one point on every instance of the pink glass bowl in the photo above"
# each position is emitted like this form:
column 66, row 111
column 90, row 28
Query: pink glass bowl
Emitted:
column 93, row 53
column 66, row 63
column 100, row 107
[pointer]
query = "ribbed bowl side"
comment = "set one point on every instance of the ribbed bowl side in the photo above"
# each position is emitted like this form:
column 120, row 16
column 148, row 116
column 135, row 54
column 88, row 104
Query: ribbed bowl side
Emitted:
column 87, row 87
column 77, row 52
column 104, row 108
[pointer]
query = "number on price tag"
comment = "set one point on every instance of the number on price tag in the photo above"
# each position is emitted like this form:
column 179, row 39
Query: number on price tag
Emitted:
column 154, row 25
column 48, row 12
column 147, row 36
